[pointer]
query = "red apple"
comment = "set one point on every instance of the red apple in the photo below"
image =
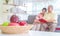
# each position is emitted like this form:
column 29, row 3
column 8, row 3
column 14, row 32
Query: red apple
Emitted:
column 13, row 24
column 14, row 19
column 22, row 23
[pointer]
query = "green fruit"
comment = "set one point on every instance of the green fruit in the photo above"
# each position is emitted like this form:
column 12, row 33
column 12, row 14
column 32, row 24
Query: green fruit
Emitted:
column 5, row 24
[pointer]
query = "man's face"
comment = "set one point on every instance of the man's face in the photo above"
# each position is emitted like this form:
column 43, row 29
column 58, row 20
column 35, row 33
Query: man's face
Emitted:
column 50, row 8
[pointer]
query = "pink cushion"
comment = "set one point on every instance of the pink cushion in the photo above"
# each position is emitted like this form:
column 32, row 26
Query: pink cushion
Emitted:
column 57, row 28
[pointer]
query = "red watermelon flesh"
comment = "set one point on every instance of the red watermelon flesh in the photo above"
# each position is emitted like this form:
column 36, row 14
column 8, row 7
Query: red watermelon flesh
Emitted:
column 13, row 24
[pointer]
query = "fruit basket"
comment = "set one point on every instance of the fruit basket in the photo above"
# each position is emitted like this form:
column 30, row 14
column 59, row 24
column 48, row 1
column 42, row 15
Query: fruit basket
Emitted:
column 15, row 29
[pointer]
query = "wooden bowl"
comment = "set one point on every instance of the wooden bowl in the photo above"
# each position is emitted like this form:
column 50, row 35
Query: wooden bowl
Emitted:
column 15, row 29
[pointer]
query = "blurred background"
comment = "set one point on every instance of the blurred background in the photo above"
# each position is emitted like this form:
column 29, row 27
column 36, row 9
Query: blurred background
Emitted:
column 25, row 8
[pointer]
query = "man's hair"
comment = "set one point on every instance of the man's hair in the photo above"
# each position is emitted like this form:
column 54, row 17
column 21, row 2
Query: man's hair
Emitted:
column 50, row 6
column 44, row 9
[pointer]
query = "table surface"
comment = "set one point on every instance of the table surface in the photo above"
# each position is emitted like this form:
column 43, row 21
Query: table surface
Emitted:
column 34, row 33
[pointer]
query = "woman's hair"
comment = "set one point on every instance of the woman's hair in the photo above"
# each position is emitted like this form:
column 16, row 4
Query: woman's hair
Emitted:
column 44, row 9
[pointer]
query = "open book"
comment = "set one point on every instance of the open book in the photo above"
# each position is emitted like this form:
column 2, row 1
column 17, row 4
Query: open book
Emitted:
column 43, row 20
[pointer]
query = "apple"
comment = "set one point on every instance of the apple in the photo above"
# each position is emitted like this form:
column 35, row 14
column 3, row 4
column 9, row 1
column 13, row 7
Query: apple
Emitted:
column 5, row 24
column 22, row 23
column 14, row 19
column 13, row 24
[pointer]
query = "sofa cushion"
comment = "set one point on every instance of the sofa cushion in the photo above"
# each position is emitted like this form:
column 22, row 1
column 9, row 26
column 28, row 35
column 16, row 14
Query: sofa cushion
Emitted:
column 31, row 19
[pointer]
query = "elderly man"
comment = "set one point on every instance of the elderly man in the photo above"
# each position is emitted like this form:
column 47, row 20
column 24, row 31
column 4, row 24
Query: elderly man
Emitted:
column 51, row 19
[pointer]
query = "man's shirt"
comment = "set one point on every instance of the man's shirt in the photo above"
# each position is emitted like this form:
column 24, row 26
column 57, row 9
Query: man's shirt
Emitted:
column 50, row 16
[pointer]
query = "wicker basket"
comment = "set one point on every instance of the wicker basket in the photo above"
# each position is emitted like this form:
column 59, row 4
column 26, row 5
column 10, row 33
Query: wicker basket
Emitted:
column 15, row 29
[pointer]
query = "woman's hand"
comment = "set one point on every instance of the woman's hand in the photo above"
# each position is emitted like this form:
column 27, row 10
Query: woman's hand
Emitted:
column 36, row 21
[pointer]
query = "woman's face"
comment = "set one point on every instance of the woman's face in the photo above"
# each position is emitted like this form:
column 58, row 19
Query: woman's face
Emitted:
column 43, row 11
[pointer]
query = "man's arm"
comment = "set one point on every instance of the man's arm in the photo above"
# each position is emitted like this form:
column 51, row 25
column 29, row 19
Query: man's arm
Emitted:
column 53, row 19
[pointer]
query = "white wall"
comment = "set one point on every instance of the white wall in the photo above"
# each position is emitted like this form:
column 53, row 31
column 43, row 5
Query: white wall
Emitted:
column 3, row 16
column 1, row 11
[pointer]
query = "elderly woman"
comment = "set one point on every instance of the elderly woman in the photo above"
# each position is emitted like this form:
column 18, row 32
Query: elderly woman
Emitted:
column 37, row 22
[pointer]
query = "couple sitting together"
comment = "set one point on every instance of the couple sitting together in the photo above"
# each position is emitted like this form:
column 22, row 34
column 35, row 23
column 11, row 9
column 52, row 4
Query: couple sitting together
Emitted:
column 46, row 20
